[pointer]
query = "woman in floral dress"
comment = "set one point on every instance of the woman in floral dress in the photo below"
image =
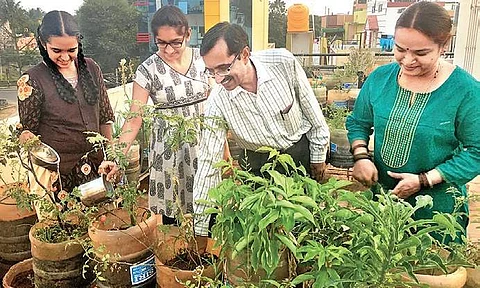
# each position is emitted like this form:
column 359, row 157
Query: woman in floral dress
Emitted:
column 174, row 79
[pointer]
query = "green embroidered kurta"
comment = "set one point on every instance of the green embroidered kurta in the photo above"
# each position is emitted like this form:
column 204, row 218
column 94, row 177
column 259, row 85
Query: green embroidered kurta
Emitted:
column 440, row 130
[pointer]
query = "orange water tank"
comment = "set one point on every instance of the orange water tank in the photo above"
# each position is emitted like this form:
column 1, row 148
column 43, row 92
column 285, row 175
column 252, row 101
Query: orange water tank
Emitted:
column 297, row 18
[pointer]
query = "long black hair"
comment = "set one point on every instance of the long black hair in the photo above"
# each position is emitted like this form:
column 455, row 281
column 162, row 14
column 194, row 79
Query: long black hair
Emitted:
column 61, row 23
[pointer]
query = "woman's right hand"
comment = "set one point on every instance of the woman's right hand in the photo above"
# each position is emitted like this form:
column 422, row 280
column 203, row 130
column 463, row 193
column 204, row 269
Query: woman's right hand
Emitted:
column 365, row 172
column 25, row 136
column 110, row 169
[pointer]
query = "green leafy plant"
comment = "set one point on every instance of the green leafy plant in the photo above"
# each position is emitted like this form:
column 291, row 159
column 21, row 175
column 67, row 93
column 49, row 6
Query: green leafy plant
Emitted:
column 335, row 237
column 358, row 61
column 67, row 218
column 335, row 116
column 257, row 216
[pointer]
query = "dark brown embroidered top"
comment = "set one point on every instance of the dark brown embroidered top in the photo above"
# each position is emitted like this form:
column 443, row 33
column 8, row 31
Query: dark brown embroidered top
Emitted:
column 59, row 123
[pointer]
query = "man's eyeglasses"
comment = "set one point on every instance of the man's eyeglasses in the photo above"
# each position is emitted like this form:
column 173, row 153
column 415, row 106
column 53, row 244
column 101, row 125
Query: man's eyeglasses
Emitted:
column 175, row 44
column 222, row 72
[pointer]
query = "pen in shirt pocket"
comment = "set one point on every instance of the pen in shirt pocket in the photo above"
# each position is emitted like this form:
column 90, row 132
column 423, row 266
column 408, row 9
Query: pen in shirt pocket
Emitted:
column 285, row 111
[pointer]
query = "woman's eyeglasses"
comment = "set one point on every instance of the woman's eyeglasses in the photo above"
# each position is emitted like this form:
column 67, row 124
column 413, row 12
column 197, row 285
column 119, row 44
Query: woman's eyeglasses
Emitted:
column 174, row 44
column 222, row 72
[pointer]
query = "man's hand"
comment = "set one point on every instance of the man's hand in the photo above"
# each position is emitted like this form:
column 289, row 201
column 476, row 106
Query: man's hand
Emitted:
column 318, row 171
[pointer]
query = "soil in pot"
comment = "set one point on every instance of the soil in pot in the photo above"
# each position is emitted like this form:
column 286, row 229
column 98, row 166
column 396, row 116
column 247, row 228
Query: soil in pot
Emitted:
column 57, row 264
column 172, row 267
column 19, row 275
column 190, row 259
column 23, row 280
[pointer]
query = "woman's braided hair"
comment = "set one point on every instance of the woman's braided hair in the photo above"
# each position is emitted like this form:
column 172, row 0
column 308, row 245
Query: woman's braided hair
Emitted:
column 61, row 23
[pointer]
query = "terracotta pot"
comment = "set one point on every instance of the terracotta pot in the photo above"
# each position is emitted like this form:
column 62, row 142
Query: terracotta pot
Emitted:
column 456, row 279
column 239, row 272
column 131, row 247
column 19, row 272
column 167, row 249
column 15, row 225
column 57, row 264
column 473, row 278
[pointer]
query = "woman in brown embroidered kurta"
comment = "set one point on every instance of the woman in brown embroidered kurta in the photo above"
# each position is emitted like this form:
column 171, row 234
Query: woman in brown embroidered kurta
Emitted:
column 64, row 96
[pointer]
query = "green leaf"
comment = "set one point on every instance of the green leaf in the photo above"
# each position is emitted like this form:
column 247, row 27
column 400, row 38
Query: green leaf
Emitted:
column 305, row 200
column 247, row 202
column 411, row 241
column 302, row 278
column 267, row 220
column 287, row 242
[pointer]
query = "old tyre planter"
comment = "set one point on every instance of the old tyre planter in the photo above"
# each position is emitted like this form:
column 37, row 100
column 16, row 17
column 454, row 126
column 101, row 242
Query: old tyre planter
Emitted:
column 57, row 264
column 132, row 260
column 19, row 275
column 340, row 155
column 15, row 225
column 167, row 249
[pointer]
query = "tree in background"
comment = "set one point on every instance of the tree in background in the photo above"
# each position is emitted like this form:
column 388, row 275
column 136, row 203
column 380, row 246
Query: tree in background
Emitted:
column 277, row 23
column 15, row 23
column 109, row 28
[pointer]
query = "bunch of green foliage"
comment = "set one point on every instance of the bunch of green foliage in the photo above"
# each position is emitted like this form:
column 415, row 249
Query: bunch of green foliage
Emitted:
column 335, row 237
column 335, row 116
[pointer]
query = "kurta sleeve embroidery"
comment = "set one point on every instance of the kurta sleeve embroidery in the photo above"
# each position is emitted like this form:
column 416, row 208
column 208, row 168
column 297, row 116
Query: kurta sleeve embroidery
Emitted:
column 30, row 101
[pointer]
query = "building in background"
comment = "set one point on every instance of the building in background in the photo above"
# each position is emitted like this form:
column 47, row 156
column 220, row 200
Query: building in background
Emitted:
column 467, row 45
column 203, row 14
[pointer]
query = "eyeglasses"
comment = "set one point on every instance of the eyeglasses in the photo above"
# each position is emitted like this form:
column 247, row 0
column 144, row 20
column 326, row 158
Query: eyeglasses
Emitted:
column 175, row 44
column 222, row 72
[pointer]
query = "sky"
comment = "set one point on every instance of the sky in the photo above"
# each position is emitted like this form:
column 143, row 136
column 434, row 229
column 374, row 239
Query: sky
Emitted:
column 47, row 5
column 317, row 7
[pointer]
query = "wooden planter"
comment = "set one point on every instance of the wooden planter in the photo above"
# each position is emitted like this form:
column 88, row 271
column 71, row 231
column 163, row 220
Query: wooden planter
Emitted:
column 15, row 225
column 57, row 264
column 132, row 260
column 341, row 95
column 167, row 249
column 19, row 275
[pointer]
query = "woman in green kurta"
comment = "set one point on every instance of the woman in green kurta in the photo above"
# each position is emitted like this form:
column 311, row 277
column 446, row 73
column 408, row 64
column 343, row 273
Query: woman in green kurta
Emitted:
column 426, row 116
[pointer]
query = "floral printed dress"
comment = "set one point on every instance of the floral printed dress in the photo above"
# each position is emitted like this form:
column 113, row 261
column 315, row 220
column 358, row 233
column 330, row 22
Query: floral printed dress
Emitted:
column 172, row 172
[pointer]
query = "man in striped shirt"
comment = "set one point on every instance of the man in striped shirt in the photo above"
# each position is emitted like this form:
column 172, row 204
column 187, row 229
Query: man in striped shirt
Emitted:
column 265, row 99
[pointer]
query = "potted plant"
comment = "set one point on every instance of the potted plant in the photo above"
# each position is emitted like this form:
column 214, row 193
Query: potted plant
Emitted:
column 346, row 79
column 181, row 256
column 339, row 152
column 333, row 237
column 256, row 218
column 376, row 243
column 55, row 240
column 16, row 218
column 123, row 232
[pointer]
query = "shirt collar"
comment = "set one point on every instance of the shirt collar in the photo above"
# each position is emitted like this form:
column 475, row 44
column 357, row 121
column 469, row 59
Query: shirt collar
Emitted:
column 262, row 77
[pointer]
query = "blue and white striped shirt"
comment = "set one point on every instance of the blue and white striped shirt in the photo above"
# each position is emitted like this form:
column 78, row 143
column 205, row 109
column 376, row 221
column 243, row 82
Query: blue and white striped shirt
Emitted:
column 255, row 120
